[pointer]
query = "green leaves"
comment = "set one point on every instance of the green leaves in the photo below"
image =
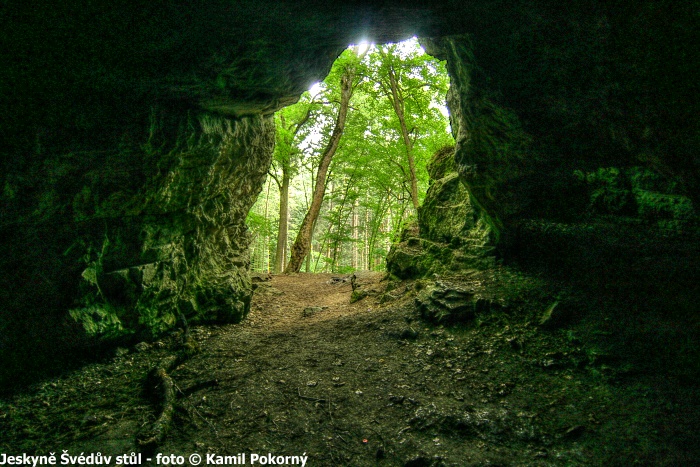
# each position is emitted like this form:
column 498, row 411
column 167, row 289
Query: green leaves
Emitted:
column 369, row 184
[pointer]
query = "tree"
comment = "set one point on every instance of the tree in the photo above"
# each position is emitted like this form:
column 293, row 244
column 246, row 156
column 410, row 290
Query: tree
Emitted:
column 394, row 92
column 355, row 183
column 409, row 81
column 347, row 64
column 289, row 123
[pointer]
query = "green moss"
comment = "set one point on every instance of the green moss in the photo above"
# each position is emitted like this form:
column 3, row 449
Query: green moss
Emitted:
column 99, row 321
column 640, row 193
column 447, row 237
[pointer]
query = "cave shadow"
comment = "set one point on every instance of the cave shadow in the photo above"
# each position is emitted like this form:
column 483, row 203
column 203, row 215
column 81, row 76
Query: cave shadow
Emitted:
column 630, row 288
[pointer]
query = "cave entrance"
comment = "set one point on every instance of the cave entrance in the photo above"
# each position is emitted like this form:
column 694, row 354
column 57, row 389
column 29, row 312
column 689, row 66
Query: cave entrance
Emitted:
column 381, row 111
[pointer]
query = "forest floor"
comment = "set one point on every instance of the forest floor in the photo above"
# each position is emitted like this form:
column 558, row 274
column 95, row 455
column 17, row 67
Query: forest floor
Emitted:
column 367, row 383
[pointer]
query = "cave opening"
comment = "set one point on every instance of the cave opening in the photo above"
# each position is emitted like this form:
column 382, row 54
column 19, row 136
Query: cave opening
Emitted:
column 397, row 120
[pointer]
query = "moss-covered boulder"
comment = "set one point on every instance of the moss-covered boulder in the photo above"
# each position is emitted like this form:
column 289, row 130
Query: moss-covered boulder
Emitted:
column 446, row 302
column 447, row 237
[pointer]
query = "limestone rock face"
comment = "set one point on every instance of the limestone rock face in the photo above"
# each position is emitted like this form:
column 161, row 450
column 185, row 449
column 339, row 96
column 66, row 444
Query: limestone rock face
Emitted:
column 448, row 235
column 144, row 238
column 489, row 138
column 536, row 96
column 447, row 215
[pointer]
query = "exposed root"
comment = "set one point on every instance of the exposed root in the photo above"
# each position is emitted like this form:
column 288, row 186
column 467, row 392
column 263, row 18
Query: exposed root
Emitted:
column 159, row 375
column 160, row 380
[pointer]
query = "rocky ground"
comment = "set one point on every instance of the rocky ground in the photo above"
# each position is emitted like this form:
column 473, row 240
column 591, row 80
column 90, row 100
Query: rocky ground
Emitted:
column 373, row 383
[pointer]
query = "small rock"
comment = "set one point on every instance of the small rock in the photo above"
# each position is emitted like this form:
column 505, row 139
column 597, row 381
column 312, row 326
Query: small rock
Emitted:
column 257, row 277
column 338, row 280
column 312, row 384
column 312, row 310
column 357, row 295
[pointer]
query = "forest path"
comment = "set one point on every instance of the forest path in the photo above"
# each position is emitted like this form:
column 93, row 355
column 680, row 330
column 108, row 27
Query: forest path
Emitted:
column 279, row 305
column 309, row 373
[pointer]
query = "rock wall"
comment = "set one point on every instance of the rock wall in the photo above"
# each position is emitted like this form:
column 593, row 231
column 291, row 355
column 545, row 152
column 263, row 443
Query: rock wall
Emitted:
column 133, row 241
column 547, row 90
column 448, row 235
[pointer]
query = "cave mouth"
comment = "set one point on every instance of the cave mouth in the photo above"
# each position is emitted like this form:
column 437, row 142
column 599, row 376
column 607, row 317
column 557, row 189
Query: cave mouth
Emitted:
column 396, row 121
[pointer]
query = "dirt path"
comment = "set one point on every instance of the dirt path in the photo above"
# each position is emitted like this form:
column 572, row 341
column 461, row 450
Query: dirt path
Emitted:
column 361, row 384
column 310, row 374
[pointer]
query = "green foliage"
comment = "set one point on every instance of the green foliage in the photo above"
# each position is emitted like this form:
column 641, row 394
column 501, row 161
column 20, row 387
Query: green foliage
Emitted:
column 258, row 223
column 368, row 194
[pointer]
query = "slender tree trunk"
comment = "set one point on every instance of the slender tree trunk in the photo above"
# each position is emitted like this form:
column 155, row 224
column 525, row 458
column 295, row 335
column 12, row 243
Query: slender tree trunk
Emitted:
column 397, row 102
column 318, row 257
column 281, row 252
column 302, row 244
column 311, row 250
column 355, row 239
column 266, row 243
column 332, row 244
column 311, row 235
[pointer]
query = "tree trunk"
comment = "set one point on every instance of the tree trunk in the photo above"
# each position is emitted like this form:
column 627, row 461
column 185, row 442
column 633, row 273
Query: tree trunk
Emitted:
column 283, row 185
column 302, row 244
column 281, row 252
column 355, row 239
column 397, row 102
column 266, row 243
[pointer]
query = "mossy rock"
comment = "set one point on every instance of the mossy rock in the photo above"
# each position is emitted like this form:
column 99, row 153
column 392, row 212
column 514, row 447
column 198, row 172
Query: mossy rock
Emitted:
column 442, row 163
column 446, row 213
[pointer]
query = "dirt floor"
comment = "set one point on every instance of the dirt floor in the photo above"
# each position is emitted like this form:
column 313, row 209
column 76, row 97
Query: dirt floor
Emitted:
column 368, row 383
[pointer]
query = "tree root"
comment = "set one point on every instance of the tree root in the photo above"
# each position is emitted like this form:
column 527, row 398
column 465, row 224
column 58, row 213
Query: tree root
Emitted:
column 161, row 379
column 307, row 398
